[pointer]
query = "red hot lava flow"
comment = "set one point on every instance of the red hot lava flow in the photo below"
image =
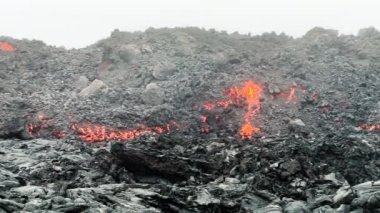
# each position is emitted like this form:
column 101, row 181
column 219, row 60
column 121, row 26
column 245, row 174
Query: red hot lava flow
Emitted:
column 251, row 93
column 291, row 96
column 36, row 125
column 96, row 133
column 7, row 47
column 248, row 94
column 370, row 127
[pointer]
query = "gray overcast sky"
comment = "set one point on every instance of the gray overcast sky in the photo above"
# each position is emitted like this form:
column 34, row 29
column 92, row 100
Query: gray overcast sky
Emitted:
column 78, row 23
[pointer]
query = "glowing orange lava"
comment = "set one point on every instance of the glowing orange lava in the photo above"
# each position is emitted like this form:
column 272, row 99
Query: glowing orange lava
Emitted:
column 59, row 134
column 212, row 105
column 291, row 96
column 370, row 127
column 96, row 133
column 247, row 130
column 204, row 118
column 250, row 93
column 204, row 127
column 36, row 124
column 7, row 47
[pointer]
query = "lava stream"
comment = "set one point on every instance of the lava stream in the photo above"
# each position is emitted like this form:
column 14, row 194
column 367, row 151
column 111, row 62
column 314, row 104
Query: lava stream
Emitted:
column 97, row 133
column 370, row 127
column 251, row 93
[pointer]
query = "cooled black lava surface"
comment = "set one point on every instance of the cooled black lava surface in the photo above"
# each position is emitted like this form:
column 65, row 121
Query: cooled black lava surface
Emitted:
column 310, row 156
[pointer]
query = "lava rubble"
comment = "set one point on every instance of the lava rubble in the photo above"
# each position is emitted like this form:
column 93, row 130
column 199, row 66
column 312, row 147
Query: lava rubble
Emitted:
column 188, row 120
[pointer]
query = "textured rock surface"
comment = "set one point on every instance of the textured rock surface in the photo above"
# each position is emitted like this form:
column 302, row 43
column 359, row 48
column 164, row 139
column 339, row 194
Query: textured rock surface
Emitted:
column 311, row 155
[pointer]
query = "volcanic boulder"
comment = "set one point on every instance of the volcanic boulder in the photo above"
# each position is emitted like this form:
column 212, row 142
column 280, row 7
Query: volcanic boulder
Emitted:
column 91, row 89
column 152, row 95
column 128, row 52
column 219, row 59
column 163, row 70
column 81, row 83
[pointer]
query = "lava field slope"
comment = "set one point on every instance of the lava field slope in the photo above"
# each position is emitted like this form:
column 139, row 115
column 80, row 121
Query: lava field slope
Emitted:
column 152, row 122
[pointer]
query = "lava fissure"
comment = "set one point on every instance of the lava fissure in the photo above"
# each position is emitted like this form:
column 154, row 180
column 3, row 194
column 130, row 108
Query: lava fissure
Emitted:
column 248, row 96
column 97, row 133
column 250, row 93
column 370, row 127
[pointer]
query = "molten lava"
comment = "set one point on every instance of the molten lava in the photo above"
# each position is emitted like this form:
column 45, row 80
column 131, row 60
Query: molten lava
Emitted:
column 204, row 127
column 38, row 123
column 210, row 105
column 250, row 93
column 7, row 47
column 370, row 127
column 247, row 130
column 97, row 133
column 291, row 96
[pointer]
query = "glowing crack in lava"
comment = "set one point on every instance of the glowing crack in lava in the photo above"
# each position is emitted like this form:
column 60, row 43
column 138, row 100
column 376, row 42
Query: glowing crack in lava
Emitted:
column 291, row 96
column 36, row 124
column 251, row 93
column 370, row 127
column 7, row 47
column 97, row 133
column 204, row 127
